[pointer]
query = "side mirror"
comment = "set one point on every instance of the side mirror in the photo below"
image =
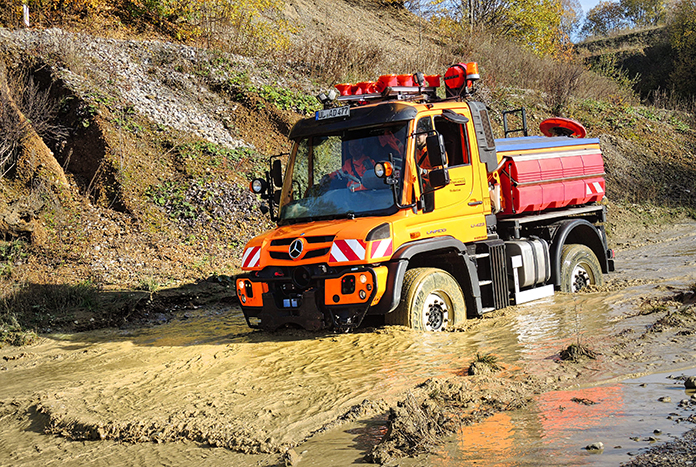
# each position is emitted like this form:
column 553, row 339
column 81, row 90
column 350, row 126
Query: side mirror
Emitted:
column 277, row 173
column 436, row 150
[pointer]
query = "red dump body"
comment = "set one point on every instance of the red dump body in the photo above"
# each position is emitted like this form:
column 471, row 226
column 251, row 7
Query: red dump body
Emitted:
column 541, row 173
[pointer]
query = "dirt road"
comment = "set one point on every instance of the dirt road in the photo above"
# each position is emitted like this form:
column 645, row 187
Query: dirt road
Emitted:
column 204, row 389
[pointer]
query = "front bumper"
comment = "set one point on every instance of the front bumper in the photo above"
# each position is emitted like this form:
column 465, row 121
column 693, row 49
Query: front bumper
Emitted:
column 337, row 300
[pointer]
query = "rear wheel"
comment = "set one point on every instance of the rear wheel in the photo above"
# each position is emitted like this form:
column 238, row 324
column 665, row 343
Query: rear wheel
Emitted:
column 431, row 300
column 579, row 268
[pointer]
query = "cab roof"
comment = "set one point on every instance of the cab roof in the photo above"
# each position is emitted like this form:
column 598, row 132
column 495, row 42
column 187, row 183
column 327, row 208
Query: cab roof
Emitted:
column 360, row 117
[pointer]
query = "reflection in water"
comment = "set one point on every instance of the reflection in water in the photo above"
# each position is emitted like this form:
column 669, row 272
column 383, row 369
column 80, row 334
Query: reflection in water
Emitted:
column 582, row 409
column 557, row 426
column 544, row 328
column 493, row 439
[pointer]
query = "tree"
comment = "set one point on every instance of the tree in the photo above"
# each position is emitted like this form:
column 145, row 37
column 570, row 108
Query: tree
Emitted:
column 644, row 12
column 605, row 18
column 682, row 31
column 536, row 24
column 571, row 16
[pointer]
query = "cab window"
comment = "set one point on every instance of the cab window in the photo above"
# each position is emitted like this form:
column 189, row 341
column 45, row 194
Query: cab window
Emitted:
column 454, row 135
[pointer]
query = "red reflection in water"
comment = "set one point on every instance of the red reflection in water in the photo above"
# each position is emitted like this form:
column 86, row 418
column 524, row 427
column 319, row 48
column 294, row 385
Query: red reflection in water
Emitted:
column 580, row 409
column 492, row 440
column 497, row 440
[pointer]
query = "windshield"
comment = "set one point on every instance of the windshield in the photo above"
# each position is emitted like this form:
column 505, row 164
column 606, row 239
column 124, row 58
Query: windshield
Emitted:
column 333, row 176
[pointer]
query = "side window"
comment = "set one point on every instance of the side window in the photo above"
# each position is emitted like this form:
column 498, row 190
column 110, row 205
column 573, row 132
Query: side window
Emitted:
column 455, row 139
column 423, row 126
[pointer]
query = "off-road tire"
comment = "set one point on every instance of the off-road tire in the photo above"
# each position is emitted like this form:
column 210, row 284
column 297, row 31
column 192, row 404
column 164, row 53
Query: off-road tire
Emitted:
column 431, row 300
column 579, row 268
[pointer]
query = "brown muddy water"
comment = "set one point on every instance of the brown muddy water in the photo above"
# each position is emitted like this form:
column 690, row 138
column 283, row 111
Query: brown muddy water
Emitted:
column 205, row 390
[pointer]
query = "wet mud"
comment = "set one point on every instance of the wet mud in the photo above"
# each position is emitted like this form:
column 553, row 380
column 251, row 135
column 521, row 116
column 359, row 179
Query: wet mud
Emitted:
column 204, row 389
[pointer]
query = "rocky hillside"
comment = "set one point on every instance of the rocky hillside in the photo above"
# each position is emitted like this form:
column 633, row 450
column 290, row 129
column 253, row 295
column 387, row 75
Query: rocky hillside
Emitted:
column 645, row 56
column 159, row 143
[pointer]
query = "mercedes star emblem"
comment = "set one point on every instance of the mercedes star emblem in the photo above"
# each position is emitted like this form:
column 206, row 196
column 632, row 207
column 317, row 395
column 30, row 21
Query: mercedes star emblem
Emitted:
column 296, row 248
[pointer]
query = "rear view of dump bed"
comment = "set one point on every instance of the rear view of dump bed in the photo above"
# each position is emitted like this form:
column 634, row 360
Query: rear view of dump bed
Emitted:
column 539, row 173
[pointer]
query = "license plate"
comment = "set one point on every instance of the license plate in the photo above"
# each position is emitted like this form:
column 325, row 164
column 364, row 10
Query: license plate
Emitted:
column 336, row 112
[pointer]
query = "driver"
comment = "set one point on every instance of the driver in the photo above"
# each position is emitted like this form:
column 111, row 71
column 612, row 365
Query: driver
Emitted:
column 354, row 166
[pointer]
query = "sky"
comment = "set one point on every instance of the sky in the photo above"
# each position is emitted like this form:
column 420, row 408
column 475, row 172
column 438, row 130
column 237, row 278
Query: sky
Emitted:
column 587, row 5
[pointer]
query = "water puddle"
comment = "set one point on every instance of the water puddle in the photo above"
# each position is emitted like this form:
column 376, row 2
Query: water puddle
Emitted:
column 626, row 417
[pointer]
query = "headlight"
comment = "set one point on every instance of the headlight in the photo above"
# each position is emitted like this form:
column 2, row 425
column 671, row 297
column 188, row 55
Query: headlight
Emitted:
column 383, row 169
column 258, row 186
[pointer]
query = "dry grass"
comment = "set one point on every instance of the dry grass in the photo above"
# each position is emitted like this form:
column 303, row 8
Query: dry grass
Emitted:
column 335, row 57
column 484, row 364
column 11, row 136
column 38, row 107
column 670, row 100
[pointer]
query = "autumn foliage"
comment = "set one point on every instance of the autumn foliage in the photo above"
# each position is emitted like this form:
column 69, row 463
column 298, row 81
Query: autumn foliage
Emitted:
column 240, row 26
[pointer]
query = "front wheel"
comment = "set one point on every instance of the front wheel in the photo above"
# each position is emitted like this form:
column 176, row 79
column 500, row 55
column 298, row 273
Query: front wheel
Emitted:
column 431, row 300
column 579, row 268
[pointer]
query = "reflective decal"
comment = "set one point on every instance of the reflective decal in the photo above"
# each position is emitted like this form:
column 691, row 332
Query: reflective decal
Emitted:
column 381, row 248
column 252, row 257
column 347, row 250
column 594, row 188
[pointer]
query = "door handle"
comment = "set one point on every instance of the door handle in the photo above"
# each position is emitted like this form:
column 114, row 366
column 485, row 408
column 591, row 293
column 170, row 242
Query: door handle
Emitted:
column 475, row 203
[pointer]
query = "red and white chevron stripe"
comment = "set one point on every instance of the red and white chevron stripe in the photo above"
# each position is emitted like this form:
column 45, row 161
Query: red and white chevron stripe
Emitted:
column 252, row 257
column 594, row 188
column 347, row 250
column 381, row 248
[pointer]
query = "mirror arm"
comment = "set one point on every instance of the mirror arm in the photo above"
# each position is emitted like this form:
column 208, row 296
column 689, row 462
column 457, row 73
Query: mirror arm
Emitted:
column 393, row 182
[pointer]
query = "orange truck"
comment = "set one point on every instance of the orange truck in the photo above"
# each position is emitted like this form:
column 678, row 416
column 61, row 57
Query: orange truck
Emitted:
column 395, row 202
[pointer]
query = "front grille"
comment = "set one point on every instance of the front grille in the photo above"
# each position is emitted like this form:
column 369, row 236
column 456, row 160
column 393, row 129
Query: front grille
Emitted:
column 315, row 239
column 285, row 256
column 282, row 242
column 316, row 253
column 320, row 239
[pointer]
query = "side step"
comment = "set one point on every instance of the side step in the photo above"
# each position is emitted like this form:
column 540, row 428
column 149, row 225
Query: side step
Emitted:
column 492, row 274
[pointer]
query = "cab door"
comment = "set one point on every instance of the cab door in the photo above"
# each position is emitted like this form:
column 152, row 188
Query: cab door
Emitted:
column 458, row 208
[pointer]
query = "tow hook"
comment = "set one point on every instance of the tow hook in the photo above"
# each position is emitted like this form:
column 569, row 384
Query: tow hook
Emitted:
column 347, row 320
